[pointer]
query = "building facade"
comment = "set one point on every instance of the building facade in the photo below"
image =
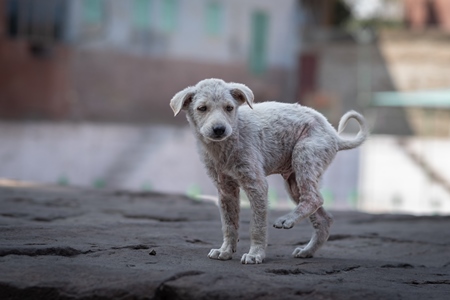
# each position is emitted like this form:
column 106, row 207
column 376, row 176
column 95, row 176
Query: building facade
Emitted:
column 124, row 60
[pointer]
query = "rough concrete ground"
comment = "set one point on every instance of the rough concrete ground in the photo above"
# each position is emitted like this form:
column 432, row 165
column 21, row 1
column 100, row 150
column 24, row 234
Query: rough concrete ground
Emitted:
column 67, row 243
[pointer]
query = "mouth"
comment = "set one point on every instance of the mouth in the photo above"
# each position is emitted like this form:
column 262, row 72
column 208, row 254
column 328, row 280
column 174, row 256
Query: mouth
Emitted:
column 217, row 138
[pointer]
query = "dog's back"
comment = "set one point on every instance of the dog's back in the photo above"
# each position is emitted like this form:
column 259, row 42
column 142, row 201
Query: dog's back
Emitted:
column 273, row 129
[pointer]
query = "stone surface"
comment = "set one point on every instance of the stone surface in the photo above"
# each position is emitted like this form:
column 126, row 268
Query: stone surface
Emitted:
column 67, row 243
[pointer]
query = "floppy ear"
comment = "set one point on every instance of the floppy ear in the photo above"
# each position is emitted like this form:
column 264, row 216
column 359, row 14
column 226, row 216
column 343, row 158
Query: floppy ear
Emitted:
column 241, row 93
column 182, row 99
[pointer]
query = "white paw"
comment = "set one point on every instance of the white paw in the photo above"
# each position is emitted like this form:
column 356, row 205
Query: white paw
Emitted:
column 255, row 255
column 220, row 254
column 286, row 222
column 302, row 253
column 249, row 259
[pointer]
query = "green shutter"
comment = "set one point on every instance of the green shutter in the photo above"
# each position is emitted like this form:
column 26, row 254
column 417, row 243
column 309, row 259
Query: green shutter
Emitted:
column 141, row 14
column 93, row 11
column 213, row 18
column 169, row 13
column 258, row 50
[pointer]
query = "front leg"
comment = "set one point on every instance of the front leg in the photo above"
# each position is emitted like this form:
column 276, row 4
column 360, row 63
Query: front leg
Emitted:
column 229, row 214
column 257, row 194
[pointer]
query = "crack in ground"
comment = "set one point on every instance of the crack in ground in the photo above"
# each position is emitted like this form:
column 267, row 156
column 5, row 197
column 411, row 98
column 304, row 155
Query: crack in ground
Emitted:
column 337, row 237
column 304, row 292
column 197, row 241
column 298, row 271
column 49, row 218
column 145, row 216
column 57, row 251
column 401, row 266
column 13, row 215
column 55, row 218
column 63, row 251
column 416, row 282
column 286, row 271
column 133, row 247
column 164, row 292
column 153, row 218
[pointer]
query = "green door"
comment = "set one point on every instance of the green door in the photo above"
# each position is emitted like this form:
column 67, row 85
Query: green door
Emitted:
column 93, row 11
column 259, row 38
column 141, row 14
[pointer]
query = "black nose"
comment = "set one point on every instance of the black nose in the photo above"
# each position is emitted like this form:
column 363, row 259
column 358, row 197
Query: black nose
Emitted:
column 219, row 130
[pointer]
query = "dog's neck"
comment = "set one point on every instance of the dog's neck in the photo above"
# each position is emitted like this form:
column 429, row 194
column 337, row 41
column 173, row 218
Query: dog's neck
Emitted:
column 221, row 153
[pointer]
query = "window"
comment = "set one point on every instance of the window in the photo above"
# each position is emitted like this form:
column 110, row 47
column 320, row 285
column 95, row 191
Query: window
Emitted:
column 307, row 75
column 169, row 13
column 214, row 18
column 258, row 46
column 141, row 14
column 37, row 21
column 93, row 11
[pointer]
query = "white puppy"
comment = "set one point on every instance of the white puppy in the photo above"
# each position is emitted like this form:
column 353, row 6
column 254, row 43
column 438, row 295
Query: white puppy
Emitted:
column 240, row 146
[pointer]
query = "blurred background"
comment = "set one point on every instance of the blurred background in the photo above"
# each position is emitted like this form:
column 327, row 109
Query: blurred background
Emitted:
column 85, row 88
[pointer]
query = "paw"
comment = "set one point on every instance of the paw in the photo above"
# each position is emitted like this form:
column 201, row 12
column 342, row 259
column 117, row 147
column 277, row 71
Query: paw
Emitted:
column 250, row 259
column 220, row 254
column 302, row 253
column 255, row 255
column 286, row 222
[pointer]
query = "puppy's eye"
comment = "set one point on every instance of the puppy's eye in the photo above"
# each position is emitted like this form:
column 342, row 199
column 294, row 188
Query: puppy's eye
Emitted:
column 201, row 108
column 229, row 108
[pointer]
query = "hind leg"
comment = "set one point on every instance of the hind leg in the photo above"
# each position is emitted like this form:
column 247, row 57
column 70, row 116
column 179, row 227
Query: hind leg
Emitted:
column 309, row 202
column 320, row 220
column 310, row 157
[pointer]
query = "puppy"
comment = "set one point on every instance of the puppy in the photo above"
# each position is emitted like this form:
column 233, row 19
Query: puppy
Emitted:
column 240, row 146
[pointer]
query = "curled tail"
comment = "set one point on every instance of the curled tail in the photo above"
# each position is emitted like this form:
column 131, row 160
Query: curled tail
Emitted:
column 360, row 137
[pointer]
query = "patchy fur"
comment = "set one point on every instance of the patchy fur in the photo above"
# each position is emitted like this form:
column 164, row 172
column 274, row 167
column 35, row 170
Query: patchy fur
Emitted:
column 240, row 146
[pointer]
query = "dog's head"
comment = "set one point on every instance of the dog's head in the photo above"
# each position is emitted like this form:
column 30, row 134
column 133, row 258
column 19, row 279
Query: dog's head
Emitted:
column 211, row 106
